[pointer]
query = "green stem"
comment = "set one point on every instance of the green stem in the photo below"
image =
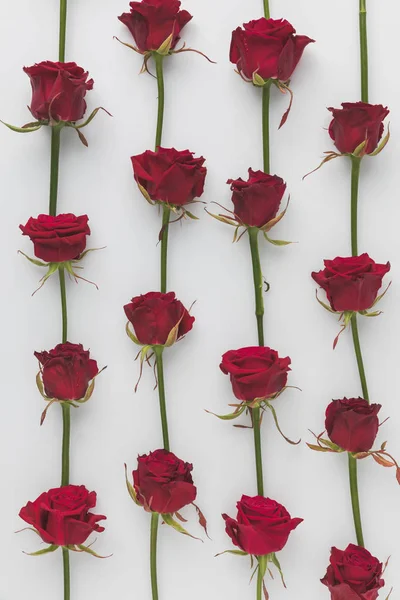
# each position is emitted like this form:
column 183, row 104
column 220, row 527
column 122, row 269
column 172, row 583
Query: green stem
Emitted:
column 259, row 302
column 63, row 27
column 266, row 9
column 153, row 554
column 67, row 584
column 158, row 59
column 355, row 501
column 54, row 171
column 364, row 50
column 257, row 448
column 360, row 362
column 63, row 294
column 158, row 351
column 66, row 412
column 164, row 248
column 355, row 178
column 258, row 282
column 54, row 168
column 260, row 576
column 266, row 92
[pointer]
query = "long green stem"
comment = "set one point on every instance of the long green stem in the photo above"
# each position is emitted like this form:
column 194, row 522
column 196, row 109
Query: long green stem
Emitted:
column 63, row 294
column 257, row 450
column 259, row 303
column 54, row 173
column 266, row 9
column 355, row 178
column 260, row 576
column 364, row 50
column 54, row 168
column 266, row 92
column 164, row 248
column 67, row 584
column 355, row 501
column 66, row 412
column 258, row 282
column 63, row 28
column 158, row 350
column 358, row 353
column 158, row 59
column 153, row 555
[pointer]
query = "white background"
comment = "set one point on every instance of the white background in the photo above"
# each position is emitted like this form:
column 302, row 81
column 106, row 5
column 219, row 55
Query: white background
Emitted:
column 210, row 110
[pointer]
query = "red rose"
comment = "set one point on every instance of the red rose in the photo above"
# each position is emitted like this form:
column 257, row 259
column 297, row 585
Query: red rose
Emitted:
column 352, row 424
column 57, row 239
column 151, row 22
column 267, row 47
column 355, row 123
column 163, row 482
column 61, row 516
column 58, row 91
column 256, row 372
column 66, row 371
column 351, row 283
column 353, row 574
column 257, row 200
column 155, row 315
column 262, row 526
column 171, row 176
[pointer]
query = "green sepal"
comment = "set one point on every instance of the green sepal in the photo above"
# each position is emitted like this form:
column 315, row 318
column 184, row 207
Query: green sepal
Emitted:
column 359, row 152
column 47, row 550
column 165, row 47
column 317, row 448
column 191, row 215
column 34, row 261
column 380, row 148
column 130, row 488
column 275, row 417
column 169, row 520
column 89, row 119
column 24, row 129
column 87, row 549
column 258, row 81
column 276, row 242
column 230, row 416
column 235, row 552
column 131, row 335
column 40, row 386
column 274, row 559
column 145, row 194
column 325, row 306
column 375, row 313
column 331, row 445
column 87, row 252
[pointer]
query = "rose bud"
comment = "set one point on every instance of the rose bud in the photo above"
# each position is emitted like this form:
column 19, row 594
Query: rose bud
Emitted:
column 66, row 371
column 262, row 526
column 353, row 574
column 57, row 239
column 257, row 200
column 156, row 317
column 152, row 22
column 352, row 424
column 255, row 372
column 355, row 123
column 163, row 482
column 170, row 176
column 351, row 283
column 58, row 91
column 268, row 48
column 61, row 516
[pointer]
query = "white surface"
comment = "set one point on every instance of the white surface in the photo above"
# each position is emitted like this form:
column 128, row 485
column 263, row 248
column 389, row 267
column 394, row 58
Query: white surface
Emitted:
column 211, row 111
